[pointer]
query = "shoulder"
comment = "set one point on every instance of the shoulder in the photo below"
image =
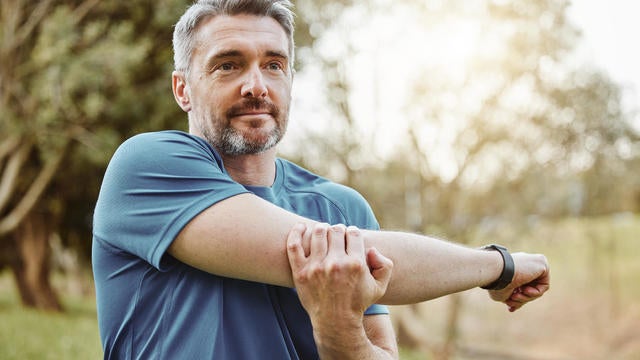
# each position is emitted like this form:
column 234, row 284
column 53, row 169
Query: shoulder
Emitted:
column 162, row 141
column 163, row 149
column 300, row 179
column 352, row 206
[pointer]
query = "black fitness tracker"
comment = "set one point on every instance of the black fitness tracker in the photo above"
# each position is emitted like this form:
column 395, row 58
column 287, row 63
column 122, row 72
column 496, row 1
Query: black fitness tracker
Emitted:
column 507, row 271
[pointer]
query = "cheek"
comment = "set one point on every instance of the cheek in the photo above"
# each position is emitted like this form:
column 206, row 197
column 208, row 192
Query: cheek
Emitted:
column 210, row 102
column 213, row 94
column 282, row 93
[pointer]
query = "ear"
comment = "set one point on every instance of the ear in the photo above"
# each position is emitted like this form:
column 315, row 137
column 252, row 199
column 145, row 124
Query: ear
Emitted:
column 181, row 90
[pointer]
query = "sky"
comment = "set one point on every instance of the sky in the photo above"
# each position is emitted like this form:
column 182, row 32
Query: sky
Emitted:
column 610, row 32
column 380, row 81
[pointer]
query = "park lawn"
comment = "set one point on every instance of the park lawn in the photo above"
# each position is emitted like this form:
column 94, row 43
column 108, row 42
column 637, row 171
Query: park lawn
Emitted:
column 27, row 334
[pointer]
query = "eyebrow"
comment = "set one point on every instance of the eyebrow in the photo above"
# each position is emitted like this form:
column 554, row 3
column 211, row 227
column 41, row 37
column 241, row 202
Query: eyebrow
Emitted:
column 278, row 54
column 225, row 54
column 222, row 55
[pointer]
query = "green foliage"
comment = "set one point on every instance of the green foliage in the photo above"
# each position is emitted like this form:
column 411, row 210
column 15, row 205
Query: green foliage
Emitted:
column 81, row 70
column 95, row 72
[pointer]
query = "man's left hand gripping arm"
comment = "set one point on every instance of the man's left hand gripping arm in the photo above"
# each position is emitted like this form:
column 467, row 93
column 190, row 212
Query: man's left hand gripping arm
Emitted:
column 337, row 279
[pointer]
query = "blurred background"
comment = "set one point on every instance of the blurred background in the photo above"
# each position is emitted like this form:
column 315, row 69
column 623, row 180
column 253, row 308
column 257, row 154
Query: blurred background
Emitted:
column 488, row 121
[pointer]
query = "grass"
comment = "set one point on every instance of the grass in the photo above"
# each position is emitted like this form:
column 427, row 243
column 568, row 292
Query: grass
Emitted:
column 591, row 312
column 27, row 334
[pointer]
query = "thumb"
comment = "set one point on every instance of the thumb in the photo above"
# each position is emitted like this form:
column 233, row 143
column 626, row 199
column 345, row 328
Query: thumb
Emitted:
column 379, row 266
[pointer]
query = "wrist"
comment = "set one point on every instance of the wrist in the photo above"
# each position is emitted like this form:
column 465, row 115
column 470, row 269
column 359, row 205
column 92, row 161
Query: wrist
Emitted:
column 508, row 269
column 340, row 339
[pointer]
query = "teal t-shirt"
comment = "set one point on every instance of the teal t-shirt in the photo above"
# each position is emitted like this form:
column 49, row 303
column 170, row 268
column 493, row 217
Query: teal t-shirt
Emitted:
column 151, row 306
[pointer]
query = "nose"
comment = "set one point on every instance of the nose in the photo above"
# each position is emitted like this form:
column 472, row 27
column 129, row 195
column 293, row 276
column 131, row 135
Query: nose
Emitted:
column 254, row 84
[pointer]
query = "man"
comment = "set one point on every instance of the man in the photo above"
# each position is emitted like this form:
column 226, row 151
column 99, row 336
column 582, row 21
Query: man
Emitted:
column 200, row 238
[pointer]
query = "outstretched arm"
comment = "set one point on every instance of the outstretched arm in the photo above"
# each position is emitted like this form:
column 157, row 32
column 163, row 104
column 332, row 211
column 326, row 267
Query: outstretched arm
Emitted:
column 427, row 268
column 244, row 237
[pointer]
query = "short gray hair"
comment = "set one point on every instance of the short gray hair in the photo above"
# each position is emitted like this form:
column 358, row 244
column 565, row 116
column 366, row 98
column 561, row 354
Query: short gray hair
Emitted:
column 185, row 30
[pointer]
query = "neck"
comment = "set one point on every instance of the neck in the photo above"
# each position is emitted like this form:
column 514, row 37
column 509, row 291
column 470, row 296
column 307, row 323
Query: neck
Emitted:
column 254, row 169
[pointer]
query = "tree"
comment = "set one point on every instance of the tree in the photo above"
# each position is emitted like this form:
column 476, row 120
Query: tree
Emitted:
column 500, row 126
column 76, row 77
column 521, row 131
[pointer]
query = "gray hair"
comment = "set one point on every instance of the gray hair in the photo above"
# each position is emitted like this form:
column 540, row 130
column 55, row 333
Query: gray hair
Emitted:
column 185, row 30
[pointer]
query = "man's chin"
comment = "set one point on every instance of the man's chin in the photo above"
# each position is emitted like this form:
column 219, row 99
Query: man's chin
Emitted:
column 245, row 146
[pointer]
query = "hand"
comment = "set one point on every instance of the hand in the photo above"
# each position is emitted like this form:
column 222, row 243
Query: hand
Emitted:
column 337, row 278
column 530, row 281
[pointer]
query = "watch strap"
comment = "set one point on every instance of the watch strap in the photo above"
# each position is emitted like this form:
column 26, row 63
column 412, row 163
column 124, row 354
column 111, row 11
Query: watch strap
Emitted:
column 508, row 270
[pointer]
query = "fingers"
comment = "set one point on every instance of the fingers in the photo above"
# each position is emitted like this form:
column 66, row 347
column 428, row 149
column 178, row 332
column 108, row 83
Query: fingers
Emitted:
column 525, row 294
column 319, row 244
column 295, row 251
column 355, row 242
column 316, row 243
column 337, row 240
column 334, row 242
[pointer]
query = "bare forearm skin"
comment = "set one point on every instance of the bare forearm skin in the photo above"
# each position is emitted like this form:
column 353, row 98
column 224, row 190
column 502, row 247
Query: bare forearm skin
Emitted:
column 346, row 340
column 426, row 268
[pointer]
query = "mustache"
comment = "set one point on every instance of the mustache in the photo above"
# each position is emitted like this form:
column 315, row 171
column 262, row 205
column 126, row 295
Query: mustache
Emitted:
column 253, row 104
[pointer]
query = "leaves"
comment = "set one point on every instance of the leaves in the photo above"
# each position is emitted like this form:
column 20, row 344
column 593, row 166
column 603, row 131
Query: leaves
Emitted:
column 86, row 71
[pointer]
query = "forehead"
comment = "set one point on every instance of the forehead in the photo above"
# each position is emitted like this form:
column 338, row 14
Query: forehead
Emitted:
column 241, row 33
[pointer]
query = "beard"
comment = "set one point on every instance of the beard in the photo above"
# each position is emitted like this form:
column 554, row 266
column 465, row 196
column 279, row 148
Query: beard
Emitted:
column 231, row 141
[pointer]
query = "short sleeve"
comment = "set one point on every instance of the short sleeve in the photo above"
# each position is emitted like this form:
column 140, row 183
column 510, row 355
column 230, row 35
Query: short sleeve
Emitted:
column 377, row 309
column 154, row 185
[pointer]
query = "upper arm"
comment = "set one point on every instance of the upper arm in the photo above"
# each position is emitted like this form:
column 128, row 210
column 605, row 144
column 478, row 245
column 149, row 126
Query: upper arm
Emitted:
column 380, row 332
column 242, row 237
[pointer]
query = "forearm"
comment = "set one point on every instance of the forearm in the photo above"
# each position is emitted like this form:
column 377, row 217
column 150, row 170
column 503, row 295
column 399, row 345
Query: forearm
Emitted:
column 426, row 268
column 346, row 340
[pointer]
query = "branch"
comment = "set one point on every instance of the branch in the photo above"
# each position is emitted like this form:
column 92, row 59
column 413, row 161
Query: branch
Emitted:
column 16, row 35
column 11, row 172
column 35, row 18
column 83, row 9
column 26, row 204
column 8, row 145
column 9, row 15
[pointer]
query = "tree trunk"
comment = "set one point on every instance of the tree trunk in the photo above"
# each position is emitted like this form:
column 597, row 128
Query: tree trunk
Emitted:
column 31, row 266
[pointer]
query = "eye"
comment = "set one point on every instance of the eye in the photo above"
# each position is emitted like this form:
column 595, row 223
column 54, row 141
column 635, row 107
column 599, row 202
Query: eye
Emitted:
column 275, row 66
column 227, row 66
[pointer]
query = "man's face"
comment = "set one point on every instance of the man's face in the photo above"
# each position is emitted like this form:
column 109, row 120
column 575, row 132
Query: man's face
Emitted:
column 240, row 84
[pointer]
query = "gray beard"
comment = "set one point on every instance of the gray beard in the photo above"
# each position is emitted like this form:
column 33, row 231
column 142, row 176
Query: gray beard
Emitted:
column 231, row 142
